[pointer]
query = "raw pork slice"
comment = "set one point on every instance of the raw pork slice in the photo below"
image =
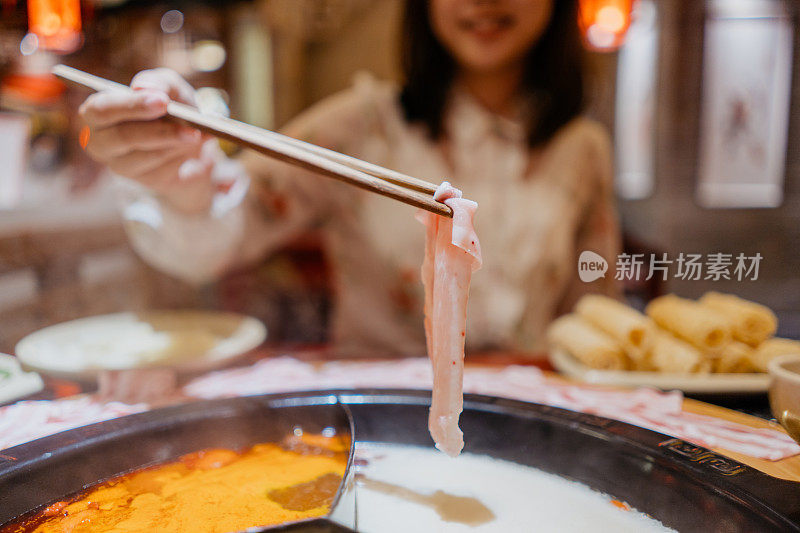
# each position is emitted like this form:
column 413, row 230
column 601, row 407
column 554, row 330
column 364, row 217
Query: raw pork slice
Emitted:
column 452, row 254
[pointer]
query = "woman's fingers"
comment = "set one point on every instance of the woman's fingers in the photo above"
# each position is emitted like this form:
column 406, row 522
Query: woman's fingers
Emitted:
column 195, row 189
column 163, row 178
column 171, row 175
column 107, row 108
column 195, row 169
column 141, row 162
column 185, row 182
column 127, row 137
column 128, row 133
column 121, row 121
column 166, row 81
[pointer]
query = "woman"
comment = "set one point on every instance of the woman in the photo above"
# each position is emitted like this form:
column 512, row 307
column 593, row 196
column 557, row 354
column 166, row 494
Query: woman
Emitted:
column 491, row 102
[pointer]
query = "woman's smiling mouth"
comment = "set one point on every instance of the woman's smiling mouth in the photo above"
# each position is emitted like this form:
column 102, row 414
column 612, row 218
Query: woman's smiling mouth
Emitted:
column 487, row 27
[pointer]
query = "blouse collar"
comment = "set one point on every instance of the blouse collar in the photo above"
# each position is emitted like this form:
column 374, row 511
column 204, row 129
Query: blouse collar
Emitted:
column 470, row 123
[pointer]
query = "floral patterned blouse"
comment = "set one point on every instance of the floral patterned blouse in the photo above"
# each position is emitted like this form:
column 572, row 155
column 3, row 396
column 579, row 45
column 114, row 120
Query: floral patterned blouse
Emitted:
column 538, row 209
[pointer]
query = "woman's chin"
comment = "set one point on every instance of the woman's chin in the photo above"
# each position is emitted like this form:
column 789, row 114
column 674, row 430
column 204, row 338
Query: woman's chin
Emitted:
column 488, row 57
column 486, row 63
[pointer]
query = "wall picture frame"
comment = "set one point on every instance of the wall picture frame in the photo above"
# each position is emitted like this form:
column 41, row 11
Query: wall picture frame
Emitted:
column 747, row 73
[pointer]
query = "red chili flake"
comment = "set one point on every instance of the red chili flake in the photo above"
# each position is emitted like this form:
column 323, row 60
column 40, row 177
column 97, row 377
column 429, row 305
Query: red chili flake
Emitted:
column 622, row 505
column 54, row 509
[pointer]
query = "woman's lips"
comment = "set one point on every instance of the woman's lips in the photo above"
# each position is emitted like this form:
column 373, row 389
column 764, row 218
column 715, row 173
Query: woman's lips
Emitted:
column 487, row 28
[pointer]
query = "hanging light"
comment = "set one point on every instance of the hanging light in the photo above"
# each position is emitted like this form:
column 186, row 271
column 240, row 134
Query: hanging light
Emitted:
column 56, row 24
column 604, row 23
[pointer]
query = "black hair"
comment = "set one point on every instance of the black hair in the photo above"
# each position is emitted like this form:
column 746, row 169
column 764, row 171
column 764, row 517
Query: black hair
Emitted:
column 552, row 74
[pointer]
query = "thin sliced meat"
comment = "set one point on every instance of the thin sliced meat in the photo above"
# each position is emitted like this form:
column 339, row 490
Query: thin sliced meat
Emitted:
column 452, row 254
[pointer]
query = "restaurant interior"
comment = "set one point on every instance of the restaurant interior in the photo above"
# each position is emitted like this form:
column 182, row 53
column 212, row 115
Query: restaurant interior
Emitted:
column 633, row 328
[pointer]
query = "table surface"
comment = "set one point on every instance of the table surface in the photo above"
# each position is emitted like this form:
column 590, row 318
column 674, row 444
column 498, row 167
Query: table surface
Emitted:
column 735, row 409
column 788, row 468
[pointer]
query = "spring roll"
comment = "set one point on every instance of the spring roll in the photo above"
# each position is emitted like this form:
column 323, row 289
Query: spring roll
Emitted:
column 696, row 324
column 586, row 343
column 751, row 323
column 772, row 348
column 736, row 357
column 670, row 354
column 630, row 328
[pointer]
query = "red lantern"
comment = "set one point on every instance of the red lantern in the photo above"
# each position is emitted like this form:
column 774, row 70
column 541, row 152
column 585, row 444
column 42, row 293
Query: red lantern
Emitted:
column 56, row 23
column 604, row 23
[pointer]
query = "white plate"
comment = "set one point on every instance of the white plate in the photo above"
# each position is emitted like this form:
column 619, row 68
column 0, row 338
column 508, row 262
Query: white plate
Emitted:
column 185, row 340
column 689, row 383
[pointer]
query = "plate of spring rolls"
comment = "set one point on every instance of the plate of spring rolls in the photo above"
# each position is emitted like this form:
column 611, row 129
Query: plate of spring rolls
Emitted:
column 719, row 343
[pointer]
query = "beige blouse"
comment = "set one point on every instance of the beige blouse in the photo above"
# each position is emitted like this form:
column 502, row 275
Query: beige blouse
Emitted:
column 537, row 212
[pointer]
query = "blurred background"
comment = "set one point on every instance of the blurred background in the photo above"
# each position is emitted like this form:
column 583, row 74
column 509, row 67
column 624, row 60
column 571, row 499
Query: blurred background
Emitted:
column 702, row 99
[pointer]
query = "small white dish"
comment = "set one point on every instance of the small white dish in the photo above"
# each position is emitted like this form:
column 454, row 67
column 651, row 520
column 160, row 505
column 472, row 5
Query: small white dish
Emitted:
column 690, row 383
column 187, row 341
column 14, row 383
column 784, row 392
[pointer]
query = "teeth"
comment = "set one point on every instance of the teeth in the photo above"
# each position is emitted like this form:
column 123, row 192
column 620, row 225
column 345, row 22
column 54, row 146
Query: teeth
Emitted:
column 487, row 24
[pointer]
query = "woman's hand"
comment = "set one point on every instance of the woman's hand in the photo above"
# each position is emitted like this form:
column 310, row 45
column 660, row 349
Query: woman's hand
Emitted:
column 128, row 133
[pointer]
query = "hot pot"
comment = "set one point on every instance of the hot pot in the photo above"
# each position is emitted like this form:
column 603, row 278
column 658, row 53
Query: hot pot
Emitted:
column 684, row 486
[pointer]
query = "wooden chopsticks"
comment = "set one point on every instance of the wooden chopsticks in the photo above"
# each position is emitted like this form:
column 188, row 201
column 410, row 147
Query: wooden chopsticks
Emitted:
column 407, row 189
